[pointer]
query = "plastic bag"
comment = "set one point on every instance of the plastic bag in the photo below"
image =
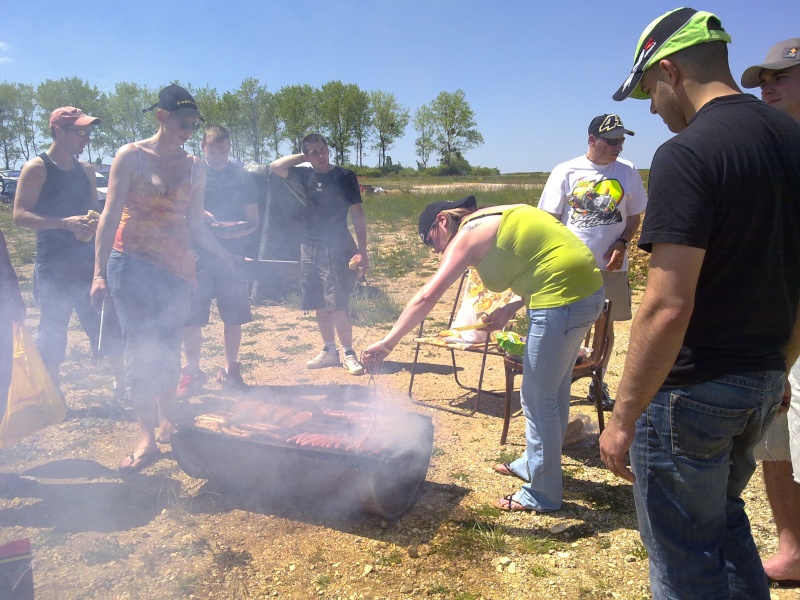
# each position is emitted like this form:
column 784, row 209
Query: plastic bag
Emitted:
column 33, row 401
column 16, row 570
column 477, row 302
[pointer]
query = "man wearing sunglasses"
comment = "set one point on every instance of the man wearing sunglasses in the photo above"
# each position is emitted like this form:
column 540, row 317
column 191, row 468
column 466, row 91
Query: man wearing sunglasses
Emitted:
column 54, row 195
column 600, row 198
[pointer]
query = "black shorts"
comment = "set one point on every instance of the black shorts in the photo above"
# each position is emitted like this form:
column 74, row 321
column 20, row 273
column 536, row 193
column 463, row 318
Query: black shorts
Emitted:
column 326, row 280
column 216, row 280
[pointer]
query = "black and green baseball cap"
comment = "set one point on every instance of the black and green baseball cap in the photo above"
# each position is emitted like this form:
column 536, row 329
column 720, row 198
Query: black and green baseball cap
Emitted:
column 678, row 29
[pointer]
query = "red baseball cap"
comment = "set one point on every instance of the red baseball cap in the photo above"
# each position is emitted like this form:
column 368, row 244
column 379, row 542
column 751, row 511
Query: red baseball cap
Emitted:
column 69, row 115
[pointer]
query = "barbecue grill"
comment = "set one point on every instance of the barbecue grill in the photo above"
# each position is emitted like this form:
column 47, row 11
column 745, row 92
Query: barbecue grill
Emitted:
column 354, row 457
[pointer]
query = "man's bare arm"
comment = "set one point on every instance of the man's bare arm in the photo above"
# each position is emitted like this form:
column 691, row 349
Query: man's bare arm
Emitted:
column 656, row 337
column 280, row 166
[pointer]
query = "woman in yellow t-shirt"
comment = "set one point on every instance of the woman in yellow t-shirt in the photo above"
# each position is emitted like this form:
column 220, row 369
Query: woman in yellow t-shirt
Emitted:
column 554, row 275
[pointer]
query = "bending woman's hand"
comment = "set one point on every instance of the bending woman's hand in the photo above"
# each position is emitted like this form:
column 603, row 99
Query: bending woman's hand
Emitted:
column 372, row 356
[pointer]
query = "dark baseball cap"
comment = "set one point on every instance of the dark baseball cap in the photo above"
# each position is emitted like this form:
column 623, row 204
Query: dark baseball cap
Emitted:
column 174, row 98
column 608, row 126
column 428, row 216
column 782, row 55
column 676, row 30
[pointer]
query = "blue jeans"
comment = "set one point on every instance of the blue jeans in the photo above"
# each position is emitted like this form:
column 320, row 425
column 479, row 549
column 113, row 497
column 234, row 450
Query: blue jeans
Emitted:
column 554, row 339
column 62, row 288
column 692, row 456
column 151, row 304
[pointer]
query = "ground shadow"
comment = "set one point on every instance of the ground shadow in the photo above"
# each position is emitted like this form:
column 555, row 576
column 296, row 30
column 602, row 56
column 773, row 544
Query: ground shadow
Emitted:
column 64, row 501
column 436, row 500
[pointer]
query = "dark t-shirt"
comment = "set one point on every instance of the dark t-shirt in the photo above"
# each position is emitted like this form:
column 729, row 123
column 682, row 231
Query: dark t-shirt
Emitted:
column 730, row 184
column 329, row 197
column 64, row 194
column 228, row 191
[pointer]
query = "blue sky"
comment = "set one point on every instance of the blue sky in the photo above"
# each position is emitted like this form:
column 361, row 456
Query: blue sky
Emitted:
column 534, row 72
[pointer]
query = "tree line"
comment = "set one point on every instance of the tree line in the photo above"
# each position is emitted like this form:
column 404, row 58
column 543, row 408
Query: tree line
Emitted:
column 262, row 123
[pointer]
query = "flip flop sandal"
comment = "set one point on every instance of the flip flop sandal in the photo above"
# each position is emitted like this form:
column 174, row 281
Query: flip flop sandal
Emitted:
column 505, row 469
column 508, row 503
column 134, row 464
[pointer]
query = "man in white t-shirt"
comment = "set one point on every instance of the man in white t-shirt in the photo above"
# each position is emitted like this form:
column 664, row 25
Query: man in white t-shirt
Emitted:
column 600, row 198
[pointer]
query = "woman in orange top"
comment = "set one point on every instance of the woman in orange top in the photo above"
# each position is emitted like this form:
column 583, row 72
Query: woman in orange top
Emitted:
column 143, row 258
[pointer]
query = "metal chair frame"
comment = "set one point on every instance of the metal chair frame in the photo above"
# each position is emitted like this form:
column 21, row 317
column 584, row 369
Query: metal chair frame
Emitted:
column 487, row 348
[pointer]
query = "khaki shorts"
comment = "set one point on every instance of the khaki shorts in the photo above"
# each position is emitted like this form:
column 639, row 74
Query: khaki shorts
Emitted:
column 782, row 438
column 618, row 290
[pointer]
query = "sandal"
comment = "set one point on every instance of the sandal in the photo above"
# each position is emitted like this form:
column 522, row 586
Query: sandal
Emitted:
column 508, row 503
column 134, row 464
column 505, row 469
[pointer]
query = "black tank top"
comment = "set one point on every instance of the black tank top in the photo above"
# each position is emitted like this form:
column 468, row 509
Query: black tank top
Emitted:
column 64, row 194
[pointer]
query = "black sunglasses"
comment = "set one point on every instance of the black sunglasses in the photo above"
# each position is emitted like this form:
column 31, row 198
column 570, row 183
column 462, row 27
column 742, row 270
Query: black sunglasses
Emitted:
column 614, row 141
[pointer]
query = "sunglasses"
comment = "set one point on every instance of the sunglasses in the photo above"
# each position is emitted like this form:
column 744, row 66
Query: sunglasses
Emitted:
column 187, row 124
column 79, row 131
column 194, row 124
column 428, row 239
column 614, row 141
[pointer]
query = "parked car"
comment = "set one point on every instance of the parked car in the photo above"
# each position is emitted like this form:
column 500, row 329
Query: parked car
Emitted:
column 102, row 187
column 8, row 187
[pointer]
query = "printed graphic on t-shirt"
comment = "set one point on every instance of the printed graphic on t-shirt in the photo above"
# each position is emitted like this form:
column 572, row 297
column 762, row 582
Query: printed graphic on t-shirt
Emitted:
column 596, row 203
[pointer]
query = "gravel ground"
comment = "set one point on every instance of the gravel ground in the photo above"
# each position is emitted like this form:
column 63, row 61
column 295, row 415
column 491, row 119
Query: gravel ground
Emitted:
column 163, row 534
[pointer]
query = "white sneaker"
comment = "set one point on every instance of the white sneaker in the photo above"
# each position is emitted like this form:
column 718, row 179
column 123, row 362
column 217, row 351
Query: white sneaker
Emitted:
column 351, row 364
column 323, row 359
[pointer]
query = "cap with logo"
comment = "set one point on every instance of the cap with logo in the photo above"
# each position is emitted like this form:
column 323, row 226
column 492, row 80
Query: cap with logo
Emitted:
column 69, row 115
column 174, row 98
column 608, row 126
column 678, row 29
column 428, row 216
column 781, row 56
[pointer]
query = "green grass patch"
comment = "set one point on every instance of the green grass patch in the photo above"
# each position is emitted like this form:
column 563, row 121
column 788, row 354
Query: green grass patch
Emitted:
column 474, row 535
column 538, row 571
column 110, row 551
column 530, row 544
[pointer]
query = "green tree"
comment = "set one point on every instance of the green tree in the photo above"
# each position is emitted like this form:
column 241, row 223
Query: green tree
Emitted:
column 295, row 105
column 424, row 126
column 69, row 91
column 9, row 103
column 125, row 122
column 389, row 121
column 454, row 125
column 25, row 121
column 336, row 121
column 357, row 106
column 255, row 104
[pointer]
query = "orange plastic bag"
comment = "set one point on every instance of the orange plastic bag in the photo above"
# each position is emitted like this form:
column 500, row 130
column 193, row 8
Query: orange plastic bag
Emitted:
column 33, row 402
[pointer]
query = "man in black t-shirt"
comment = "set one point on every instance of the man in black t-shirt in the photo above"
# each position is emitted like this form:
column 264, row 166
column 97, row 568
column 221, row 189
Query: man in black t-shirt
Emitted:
column 231, row 206
column 327, row 249
column 704, row 373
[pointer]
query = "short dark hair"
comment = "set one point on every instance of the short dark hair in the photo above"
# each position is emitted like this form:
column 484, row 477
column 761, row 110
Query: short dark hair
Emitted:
column 214, row 134
column 312, row 138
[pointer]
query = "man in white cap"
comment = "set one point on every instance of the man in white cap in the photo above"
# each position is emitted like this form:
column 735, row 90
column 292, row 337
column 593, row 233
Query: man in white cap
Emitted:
column 779, row 79
column 600, row 198
column 705, row 369
column 54, row 195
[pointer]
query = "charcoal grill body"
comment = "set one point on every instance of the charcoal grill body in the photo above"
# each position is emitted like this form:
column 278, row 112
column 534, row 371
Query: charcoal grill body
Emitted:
column 386, row 484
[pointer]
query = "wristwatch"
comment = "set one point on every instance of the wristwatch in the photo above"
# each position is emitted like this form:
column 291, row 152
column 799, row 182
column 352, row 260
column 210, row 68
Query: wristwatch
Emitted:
column 624, row 242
